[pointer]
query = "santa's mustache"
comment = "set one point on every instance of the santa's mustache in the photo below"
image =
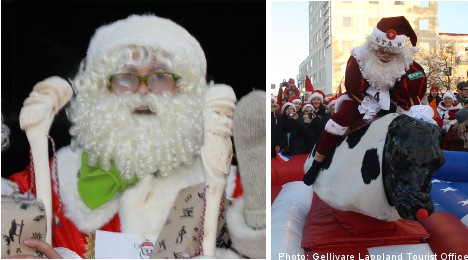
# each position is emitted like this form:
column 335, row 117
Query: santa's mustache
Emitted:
column 148, row 103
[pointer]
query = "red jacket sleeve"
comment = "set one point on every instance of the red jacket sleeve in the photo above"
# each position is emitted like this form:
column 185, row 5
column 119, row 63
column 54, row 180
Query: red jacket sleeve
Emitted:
column 355, row 84
column 411, row 88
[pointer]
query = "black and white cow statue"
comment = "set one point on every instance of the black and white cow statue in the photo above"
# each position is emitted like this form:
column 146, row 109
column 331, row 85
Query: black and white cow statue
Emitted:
column 382, row 169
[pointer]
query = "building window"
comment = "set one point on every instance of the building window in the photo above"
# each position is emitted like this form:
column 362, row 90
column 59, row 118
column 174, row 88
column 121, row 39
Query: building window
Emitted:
column 372, row 21
column 424, row 4
column 346, row 46
column 399, row 3
column 347, row 22
column 424, row 24
column 466, row 50
column 320, row 13
column 374, row 2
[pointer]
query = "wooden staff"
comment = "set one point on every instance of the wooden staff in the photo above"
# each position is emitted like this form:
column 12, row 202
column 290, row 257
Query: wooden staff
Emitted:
column 36, row 117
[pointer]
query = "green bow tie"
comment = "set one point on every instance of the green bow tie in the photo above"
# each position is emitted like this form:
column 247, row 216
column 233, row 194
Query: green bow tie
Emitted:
column 97, row 186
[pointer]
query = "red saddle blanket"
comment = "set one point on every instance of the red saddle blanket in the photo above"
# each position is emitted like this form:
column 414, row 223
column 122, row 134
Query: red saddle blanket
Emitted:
column 328, row 230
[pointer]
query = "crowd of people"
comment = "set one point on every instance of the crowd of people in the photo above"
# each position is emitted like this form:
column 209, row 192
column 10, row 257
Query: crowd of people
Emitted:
column 297, row 125
column 297, row 122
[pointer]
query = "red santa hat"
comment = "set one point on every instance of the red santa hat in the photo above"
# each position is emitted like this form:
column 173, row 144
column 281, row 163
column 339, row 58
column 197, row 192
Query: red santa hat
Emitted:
column 392, row 32
column 146, row 244
column 306, row 105
column 295, row 99
column 434, row 88
column 291, row 82
column 318, row 94
column 287, row 104
column 331, row 101
column 309, row 88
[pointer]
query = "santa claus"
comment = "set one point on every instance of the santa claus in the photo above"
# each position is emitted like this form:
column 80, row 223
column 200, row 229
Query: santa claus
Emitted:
column 145, row 125
column 381, row 77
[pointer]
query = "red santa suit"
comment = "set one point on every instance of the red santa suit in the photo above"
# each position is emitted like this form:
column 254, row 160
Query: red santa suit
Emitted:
column 447, row 114
column 409, row 90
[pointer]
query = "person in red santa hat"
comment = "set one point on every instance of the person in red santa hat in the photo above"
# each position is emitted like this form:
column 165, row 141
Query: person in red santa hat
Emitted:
column 317, row 99
column 145, row 126
column 381, row 77
column 293, row 131
column 447, row 109
column 434, row 94
column 290, row 90
column 320, row 111
column 296, row 100
column 313, row 123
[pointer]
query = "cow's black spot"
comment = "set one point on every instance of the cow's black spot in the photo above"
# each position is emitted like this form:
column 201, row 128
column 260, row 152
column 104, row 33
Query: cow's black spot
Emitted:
column 355, row 137
column 329, row 159
column 370, row 168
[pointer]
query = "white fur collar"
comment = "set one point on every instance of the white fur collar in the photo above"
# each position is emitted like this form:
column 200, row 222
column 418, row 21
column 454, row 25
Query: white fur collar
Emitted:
column 142, row 209
column 456, row 105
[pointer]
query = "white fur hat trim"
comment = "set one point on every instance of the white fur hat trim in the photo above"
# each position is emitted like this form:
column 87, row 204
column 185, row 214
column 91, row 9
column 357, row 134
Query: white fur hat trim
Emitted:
column 148, row 30
column 305, row 106
column 314, row 95
column 287, row 104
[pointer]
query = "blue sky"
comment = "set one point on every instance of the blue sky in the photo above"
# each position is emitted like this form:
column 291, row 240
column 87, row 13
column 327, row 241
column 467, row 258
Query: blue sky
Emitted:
column 452, row 15
column 289, row 34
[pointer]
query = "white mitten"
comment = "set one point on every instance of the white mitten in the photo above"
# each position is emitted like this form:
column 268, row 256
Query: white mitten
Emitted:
column 249, row 140
column 246, row 216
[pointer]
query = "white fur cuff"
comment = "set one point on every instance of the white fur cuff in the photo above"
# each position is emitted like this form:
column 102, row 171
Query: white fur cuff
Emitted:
column 246, row 240
column 334, row 128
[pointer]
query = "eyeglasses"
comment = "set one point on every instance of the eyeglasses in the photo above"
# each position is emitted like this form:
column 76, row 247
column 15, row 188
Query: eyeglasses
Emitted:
column 154, row 82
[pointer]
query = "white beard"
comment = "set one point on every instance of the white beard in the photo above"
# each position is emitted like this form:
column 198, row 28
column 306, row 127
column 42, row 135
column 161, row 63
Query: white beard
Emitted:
column 107, row 129
column 381, row 75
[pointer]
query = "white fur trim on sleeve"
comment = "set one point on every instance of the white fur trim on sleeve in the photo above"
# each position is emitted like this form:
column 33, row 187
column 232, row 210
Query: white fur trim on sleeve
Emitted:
column 334, row 128
column 246, row 240
column 340, row 100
